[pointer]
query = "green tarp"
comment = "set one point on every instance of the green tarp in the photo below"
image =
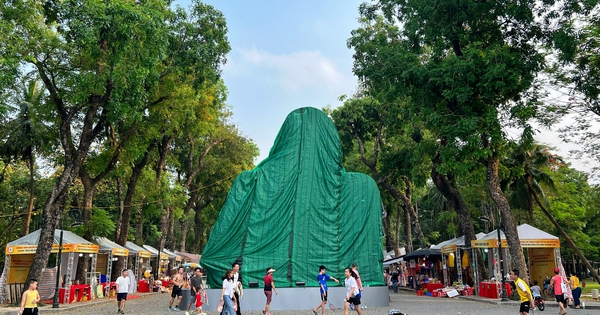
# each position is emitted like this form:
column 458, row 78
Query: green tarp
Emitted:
column 297, row 210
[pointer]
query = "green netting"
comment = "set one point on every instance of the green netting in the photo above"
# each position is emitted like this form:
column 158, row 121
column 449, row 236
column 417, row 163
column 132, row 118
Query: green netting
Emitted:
column 297, row 210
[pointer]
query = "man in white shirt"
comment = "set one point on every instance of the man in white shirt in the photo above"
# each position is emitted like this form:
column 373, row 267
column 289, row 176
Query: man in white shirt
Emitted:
column 122, row 289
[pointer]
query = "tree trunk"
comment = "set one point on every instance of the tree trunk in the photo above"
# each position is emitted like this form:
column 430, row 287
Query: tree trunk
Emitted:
column 121, row 207
column 564, row 234
column 407, row 230
column 139, row 228
column 88, row 196
column 399, row 196
column 510, row 228
column 31, row 193
column 125, row 218
column 452, row 195
column 170, row 243
column 183, row 222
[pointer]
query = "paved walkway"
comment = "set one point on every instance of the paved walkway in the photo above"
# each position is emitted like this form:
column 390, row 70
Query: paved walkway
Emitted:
column 406, row 302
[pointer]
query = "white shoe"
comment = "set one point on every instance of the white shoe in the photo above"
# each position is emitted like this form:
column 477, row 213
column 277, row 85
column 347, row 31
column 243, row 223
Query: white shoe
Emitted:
column 187, row 313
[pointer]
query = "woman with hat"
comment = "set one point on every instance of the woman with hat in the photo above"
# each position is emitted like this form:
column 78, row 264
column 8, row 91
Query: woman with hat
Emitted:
column 269, row 288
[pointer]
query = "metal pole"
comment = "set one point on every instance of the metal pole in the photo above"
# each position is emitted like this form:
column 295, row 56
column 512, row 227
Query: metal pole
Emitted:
column 504, row 297
column 60, row 243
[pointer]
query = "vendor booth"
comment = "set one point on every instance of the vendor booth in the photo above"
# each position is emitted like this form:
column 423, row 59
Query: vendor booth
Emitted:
column 543, row 252
column 108, row 253
column 140, row 259
column 423, row 268
column 20, row 253
column 189, row 258
column 174, row 259
column 455, row 261
column 164, row 261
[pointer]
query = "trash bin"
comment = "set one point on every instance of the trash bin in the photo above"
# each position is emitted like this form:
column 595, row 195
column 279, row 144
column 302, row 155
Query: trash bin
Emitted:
column 185, row 298
column 595, row 294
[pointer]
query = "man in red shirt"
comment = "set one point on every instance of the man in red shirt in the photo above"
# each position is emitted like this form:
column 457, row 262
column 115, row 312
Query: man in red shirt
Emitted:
column 556, row 284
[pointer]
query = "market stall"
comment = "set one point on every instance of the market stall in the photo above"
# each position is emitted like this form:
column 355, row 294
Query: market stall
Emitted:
column 140, row 259
column 174, row 259
column 423, row 267
column 455, row 261
column 163, row 268
column 543, row 252
column 108, row 253
column 20, row 253
column 189, row 258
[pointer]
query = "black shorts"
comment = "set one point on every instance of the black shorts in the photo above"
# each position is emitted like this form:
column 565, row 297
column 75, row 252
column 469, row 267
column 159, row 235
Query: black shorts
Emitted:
column 354, row 300
column 324, row 296
column 122, row 296
column 560, row 298
column 176, row 291
column 30, row 311
column 525, row 307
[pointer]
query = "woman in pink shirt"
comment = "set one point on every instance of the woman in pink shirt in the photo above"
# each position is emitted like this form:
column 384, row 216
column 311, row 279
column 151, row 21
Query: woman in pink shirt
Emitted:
column 557, row 285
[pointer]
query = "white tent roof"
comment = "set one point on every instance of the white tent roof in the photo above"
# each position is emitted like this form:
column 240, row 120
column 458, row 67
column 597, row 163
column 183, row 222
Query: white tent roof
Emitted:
column 133, row 248
column 525, row 232
column 170, row 253
column 33, row 238
column 106, row 245
column 151, row 249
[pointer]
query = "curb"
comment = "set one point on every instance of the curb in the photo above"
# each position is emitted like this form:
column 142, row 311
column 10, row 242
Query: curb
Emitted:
column 75, row 306
column 498, row 302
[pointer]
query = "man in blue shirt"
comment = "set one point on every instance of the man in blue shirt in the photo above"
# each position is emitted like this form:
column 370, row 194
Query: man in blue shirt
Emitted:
column 322, row 277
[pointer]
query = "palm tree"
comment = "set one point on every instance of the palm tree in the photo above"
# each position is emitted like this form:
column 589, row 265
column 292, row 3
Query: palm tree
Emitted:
column 25, row 134
column 526, row 161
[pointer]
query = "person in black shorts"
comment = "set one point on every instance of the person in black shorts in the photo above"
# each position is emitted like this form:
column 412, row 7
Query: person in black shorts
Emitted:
column 123, row 283
column 322, row 278
column 176, row 292
column 196, row 289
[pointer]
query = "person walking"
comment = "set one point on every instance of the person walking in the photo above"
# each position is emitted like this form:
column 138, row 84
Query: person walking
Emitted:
column 196, row 290
column 322, row 278
column 176, row 292
column 237, row 286
column 358, row 280
column 269, row 287
column 122, row 290
column 524, row 292
column 395, row 279
column 556, row 285
column 576, row 289
column 30, row 299
column 227, row 296
column 352, row 291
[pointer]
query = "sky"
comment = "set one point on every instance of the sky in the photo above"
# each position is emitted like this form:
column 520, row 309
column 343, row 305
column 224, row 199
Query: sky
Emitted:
column 291, row 54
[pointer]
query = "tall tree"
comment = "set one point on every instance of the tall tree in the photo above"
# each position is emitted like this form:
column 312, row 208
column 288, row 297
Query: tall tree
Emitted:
column 462, row 64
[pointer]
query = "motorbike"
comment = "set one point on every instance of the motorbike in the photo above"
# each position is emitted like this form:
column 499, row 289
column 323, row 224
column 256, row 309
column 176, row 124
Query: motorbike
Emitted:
column 539, row 302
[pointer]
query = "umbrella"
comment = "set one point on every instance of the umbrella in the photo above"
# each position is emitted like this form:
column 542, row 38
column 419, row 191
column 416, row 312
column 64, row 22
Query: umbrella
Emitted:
column 424, row 253
column 192, row 265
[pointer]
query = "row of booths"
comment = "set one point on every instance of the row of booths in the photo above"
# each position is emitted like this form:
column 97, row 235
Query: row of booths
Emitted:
column 101, row 253
column 446, row 266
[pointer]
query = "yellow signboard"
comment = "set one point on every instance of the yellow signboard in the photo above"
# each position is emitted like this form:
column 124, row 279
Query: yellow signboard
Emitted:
column 19, row 268
column 120, row 252
column 164, row 256
column 489, row 243
column 67, row 248
column 177, row 258
column 448, row 249
column 144, row 254
column 526, row 243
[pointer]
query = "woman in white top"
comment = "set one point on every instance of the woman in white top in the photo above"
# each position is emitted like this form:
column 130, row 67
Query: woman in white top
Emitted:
column 227, row 293
column 352, row 291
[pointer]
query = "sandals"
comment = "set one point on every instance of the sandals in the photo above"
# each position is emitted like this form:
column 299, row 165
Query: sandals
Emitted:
column 315, row 312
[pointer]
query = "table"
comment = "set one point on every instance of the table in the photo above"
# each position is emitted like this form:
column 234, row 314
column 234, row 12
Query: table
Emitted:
column 490, row 289
column 143, row 286
column 75, row 293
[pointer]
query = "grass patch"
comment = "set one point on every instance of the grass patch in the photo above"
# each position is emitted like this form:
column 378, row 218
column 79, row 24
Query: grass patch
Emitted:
column 589, row 286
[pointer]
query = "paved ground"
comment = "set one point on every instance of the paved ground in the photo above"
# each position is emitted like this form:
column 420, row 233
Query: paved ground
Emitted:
column 408, row 303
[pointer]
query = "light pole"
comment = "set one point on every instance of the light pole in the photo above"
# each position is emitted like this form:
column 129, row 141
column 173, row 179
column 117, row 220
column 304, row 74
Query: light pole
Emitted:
column 58, row 261
column 486, row 219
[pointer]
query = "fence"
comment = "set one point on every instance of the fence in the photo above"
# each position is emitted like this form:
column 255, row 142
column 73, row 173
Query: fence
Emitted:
column 14, row 292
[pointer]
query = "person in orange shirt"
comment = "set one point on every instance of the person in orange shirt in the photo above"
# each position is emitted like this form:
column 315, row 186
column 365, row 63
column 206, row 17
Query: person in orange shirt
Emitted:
column 30, row 299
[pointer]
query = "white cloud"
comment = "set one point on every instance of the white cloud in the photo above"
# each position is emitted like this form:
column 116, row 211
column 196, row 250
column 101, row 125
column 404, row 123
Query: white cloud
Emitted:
column 299, row 69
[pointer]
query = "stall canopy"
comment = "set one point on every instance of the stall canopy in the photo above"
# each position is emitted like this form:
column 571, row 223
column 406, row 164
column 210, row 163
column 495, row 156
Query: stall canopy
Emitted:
column 72, row 243
column 172, row 255
column 107, row 245
column 393, row 261
column 136, row 249
column 189, row 258
column 529, row 237
column 424, row 253
column 154, row 252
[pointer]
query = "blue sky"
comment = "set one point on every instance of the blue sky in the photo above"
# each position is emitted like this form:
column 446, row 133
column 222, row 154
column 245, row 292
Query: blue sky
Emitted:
column 285, row 55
